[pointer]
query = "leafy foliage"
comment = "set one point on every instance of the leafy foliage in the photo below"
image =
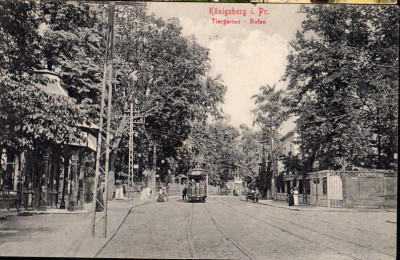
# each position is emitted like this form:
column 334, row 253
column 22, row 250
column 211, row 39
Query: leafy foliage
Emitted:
column 270, row 113
column 31, row 39
column 216, row 147
column 167, row 77
column 343, row 84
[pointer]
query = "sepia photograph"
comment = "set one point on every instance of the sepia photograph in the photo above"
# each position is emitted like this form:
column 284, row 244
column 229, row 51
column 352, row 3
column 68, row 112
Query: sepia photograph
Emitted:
column 198, row 130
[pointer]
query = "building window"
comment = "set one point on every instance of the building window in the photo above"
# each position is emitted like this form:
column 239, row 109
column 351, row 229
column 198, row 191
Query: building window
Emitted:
column 324, row 186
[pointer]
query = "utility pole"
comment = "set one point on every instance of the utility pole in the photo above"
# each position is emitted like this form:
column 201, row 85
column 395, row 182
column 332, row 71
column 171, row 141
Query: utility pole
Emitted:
column 106, row 95
column 104, row 116
column 130, row 145
column 133, row 115
column 303, row 173
column 154, row 167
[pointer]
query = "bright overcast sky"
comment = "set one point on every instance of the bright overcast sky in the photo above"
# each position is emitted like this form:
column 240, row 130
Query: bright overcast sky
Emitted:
column 246, row 55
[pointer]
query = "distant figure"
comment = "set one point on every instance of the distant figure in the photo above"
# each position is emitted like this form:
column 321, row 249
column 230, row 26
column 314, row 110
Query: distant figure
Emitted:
column 184, row 192
column 119, row 192
column 145, row 194
column 165, row 194
column 100, row 199
column 295, row 196
column 162, row 197
column 291, row 202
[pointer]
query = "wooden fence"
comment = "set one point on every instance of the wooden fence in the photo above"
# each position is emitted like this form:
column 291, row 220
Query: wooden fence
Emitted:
column 371, row 191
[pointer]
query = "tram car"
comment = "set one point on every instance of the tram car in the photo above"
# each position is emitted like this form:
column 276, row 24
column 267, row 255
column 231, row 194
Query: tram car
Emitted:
column 197, row 185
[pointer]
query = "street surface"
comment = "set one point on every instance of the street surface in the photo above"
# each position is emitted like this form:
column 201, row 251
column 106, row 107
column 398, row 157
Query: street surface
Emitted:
column 230, row 228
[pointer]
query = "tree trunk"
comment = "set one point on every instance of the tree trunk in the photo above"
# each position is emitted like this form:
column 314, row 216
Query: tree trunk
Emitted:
column 7, row 181
column 379, row 148
column 64, row 182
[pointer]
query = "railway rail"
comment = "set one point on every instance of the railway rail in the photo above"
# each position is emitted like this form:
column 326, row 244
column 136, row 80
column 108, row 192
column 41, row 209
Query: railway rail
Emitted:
column 195, row 242
column 287, row 230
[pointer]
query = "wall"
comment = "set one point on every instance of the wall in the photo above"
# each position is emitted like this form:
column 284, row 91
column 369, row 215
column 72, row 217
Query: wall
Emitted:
column 288, row 145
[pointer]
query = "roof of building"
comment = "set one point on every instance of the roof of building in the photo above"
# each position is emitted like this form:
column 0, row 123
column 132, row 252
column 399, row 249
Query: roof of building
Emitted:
column 287, row 135
column 53, row 86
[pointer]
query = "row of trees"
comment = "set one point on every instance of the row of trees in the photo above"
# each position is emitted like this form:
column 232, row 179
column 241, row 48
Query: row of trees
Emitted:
column 341, row 75
column 342, row 87
column 162, row 72
column 343, row 84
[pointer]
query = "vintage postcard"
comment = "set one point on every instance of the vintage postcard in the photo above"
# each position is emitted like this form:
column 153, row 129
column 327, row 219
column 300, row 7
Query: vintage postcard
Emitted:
column 171, row 130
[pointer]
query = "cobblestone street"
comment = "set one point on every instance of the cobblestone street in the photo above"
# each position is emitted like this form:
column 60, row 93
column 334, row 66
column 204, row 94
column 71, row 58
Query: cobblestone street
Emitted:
column 229, row 228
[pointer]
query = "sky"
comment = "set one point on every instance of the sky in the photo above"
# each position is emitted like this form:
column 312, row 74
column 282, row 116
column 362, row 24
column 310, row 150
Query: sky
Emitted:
column 247, row 56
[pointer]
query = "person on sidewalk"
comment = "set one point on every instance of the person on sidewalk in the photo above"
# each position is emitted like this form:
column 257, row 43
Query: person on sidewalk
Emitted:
column 161, row 195
column 291, row 203
column 184, row 192
column 295, row 196
column 165, row 193
column 119, row 193
column 145, row 194
column 100, row 198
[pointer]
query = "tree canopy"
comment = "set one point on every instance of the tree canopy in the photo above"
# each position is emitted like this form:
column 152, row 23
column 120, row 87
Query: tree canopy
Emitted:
column 343, row 84
column 45, row 36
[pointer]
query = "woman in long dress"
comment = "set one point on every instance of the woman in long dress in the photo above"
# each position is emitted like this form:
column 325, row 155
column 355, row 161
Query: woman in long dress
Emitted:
column 295, row 196
column 145, row 194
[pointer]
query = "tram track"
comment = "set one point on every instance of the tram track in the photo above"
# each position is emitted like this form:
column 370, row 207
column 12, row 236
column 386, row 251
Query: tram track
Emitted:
column 118, row 228
column 336, row 226
column 189, row 233
column 190, row 241
column 229, row 238
column 344, row 227
column 304, row 227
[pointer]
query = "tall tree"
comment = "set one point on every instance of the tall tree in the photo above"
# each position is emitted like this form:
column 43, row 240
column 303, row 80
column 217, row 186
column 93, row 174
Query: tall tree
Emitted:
column 269, row 114
column 36, row 36
column 249, row 144
column 343, row 84
column 167, row 76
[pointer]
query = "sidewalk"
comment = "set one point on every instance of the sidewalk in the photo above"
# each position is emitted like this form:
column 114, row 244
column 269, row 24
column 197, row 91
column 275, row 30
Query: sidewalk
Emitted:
column 304, row 207
column 56, row 234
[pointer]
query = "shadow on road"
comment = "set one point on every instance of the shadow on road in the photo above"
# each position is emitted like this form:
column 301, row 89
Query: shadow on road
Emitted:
column 183, row 201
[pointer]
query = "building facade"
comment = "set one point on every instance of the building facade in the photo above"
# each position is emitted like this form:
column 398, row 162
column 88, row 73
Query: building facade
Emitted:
column 47, row 177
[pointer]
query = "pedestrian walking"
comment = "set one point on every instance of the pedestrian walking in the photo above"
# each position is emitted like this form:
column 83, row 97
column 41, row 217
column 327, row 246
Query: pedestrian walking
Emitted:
column 184, row 192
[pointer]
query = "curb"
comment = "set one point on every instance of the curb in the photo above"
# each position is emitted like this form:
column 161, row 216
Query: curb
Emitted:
column 30, row 213
column 321, row 209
